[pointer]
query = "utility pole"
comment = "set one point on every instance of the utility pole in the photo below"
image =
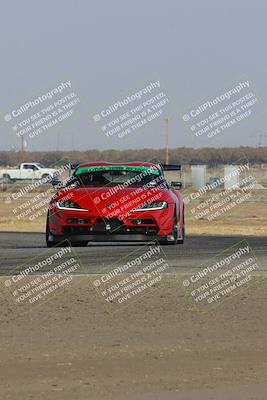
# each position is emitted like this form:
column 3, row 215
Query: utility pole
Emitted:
column 167, row 140
column 22, row 143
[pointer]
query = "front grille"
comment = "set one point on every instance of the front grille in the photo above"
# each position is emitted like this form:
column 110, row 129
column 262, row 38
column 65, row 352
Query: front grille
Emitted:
column 110, row 226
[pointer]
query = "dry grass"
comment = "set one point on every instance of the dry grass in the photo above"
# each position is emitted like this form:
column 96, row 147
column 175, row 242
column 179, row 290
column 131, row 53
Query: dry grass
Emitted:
column 248, row 218
column 9, row 221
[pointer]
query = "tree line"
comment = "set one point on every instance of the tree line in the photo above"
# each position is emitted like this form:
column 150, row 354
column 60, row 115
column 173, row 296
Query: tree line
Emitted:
column 183, row 155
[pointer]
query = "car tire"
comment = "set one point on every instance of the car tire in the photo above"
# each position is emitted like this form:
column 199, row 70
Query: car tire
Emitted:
column 7, row 179
column 181, row 241
column 165, row 241
column 49, row 243
column 47, row 177
column 53, row 243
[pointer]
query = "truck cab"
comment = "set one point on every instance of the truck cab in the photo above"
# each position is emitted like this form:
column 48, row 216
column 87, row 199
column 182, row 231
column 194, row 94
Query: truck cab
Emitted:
column 28, row 171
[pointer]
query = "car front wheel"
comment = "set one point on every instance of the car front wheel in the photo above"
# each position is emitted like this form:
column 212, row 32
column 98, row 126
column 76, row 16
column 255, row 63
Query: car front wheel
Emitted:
column 171, row 239
column 181, row 240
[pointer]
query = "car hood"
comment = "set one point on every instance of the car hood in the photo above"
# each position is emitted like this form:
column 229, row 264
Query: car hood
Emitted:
column 110, row 198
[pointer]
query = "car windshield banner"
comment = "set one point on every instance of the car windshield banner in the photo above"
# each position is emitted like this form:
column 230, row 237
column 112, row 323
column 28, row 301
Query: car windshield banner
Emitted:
column 134, row 168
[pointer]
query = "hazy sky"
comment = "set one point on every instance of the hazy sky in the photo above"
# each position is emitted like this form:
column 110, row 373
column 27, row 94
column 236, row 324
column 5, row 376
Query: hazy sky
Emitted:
column 110, row 49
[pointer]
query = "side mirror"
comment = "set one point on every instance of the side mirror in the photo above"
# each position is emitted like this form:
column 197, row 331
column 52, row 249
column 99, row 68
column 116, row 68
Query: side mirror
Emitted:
column 177, row 184
column 56, row 183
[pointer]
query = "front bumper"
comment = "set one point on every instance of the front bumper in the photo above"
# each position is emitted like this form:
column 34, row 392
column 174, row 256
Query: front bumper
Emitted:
column 158, row 223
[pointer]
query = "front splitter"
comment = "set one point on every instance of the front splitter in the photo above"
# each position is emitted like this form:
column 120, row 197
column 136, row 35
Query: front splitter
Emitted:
column 106, row 238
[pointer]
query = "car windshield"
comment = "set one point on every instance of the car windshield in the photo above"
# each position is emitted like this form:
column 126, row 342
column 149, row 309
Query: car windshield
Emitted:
column 40, row 165
column 109, row 175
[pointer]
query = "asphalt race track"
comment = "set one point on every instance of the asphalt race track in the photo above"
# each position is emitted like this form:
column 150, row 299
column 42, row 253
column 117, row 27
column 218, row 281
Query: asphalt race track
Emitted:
column 19, row 248
column 159, row 347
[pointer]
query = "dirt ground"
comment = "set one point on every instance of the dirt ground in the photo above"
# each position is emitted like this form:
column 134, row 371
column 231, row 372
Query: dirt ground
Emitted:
column 161, row 347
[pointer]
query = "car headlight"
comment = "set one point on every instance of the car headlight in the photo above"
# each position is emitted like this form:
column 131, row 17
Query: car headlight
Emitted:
column 71, row 205
column 152, row 205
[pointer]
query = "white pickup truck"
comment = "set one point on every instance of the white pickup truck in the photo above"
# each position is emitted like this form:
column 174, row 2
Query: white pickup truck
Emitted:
column 27, row 171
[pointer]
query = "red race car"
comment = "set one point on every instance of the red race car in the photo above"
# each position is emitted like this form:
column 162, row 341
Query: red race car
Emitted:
column 104, row 201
